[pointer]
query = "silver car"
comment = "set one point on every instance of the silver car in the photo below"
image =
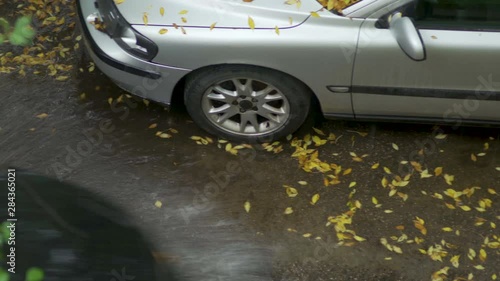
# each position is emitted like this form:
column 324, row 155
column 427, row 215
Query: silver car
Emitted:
column 254, row 70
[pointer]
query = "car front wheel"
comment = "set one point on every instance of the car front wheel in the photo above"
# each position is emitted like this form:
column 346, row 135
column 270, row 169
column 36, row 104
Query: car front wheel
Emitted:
column 247, row 104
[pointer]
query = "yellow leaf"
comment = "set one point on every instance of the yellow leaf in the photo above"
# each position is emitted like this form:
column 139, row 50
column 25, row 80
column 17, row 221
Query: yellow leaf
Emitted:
column 162, row 11
column 183, row 12
column 247, row 206
column 251, row 23
column 375, row 166
column 395, row 146
column 326, row 182
column 212, row 26
column 482, row 255
column 277, row 30
column 465, row 208
column 441, row 136
column 491, row 191
column 314, row 15
column 404, row 196
column 315, row 198
column 330, row 4
column 352, row 184
column 163, row 31
column 357, row 159
column 385, row 182
column 374, row 201
column 288, row 211
column 357, row 204
column 346, row 172
column 158, row 204
column 318, row 141
column 42, row 115
column 471, row 254
column 425, row 174
column 473, row 157
column 392, row 192
column 306, row 235
column 184, row 20
column 387, row 170
column 486, row 146
column 438, row 171
column 397, row 249
column 359, row 239
column 119, row 1
column 165, row 136
column 450, row 206
column 152, row 126
column 318, row 131
column 449, row 179
column 479, row 267
column 293, row 2
column 292, row 192
column 447, row 229
column 455, row 261
column 416, row 166
column 388, row 211
column 494, row 277
column 62, row 78
column 145, row 18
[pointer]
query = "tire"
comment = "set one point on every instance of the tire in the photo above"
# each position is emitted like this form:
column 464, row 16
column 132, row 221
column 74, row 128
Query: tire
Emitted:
column 246, row 103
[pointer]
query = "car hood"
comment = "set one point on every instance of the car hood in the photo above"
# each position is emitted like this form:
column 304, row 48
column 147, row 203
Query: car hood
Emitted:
column 222, row 13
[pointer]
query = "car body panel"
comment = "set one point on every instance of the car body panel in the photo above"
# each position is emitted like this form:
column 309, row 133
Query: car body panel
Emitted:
column 455, row 81
column 301, row 52
column 222, row 13
column 159, row 89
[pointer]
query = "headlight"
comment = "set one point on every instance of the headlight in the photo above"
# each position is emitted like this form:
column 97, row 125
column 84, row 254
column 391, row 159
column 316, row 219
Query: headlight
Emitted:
column 123, row 33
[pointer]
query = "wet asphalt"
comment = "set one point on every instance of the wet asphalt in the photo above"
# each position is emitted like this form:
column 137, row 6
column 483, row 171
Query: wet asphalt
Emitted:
column 202, row 227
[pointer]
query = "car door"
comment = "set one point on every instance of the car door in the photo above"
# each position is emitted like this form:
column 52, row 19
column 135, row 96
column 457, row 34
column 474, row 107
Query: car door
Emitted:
column 459, row 76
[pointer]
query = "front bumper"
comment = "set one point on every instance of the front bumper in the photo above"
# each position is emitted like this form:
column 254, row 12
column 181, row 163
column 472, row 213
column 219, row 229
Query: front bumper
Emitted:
column 134, row 75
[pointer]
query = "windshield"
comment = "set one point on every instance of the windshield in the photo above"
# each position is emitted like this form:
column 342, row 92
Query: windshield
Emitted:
column 337, row 6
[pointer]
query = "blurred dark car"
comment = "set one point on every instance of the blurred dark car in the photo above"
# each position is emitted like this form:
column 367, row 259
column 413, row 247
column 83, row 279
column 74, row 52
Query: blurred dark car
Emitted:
column 73, row 235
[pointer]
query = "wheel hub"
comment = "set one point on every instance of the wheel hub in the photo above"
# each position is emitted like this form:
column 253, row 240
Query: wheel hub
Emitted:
column 246, row 105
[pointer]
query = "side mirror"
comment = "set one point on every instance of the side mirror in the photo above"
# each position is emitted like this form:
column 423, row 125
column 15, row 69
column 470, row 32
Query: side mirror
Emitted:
column 407, row 36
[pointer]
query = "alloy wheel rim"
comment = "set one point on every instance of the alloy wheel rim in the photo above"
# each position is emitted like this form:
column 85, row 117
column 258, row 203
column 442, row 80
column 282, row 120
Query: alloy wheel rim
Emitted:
column 245, row 106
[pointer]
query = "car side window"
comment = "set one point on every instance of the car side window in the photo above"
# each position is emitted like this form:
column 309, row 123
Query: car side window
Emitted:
column 457, row 14
column 469, row 15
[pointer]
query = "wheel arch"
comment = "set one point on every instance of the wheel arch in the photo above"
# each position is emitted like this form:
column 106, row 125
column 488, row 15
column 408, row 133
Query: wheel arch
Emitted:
column 178, row 94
